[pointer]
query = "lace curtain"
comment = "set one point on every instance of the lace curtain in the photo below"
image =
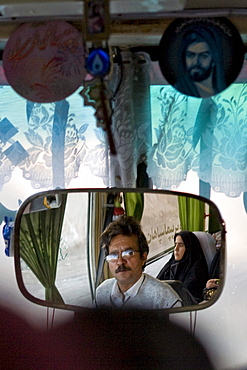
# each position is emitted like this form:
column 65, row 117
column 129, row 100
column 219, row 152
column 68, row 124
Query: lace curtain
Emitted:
column 54, row 144
column 167, row 133
column 208, row 136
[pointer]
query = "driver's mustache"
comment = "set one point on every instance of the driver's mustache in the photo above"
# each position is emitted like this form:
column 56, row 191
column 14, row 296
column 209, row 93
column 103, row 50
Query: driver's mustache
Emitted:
column 122, row 268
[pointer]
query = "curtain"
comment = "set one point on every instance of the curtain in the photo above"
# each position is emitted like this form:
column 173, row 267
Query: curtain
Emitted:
column 39, row 246
column 134, row 205
column 131, row 121
column 52, row 145
column 191, row 213
column 205, row 135
column 99, row 221
column 56, row 142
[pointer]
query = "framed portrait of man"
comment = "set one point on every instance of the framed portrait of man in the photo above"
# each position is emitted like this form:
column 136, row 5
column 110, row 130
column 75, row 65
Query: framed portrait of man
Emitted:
column 201, row 57
column 96, row 23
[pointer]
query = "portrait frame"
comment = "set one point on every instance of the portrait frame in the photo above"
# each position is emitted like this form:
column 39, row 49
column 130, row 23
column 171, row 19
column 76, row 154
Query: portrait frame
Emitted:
column 225, row 43
column 96, row 24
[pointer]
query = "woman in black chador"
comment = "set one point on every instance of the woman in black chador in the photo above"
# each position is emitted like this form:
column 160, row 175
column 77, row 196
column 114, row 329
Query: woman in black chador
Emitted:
column 187, row 264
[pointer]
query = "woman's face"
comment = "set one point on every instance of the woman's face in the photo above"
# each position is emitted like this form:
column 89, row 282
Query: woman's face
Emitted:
column 179, row 248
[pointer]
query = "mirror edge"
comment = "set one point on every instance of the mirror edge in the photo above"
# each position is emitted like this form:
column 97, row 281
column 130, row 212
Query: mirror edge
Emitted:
column 69, row 307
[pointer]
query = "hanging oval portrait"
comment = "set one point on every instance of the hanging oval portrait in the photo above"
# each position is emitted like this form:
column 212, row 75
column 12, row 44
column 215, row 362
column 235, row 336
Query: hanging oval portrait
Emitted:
column 201, row 57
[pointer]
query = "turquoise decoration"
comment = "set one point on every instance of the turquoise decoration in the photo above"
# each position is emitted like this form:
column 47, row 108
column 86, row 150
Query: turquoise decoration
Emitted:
column 98, row 63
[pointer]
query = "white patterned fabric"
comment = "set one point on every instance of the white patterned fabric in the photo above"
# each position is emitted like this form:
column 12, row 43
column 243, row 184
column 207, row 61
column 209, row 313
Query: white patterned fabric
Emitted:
column 52, row 145
column 208, row 136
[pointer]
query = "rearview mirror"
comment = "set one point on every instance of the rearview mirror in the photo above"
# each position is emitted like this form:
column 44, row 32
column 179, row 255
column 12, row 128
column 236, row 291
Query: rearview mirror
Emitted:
column 59, row 261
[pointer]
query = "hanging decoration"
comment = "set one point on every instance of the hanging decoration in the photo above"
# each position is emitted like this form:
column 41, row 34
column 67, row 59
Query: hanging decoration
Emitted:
column 96, row 92
column 45, row 62
column 96, row 25
column 98, row 63
column 118, row 210
column 201, row 57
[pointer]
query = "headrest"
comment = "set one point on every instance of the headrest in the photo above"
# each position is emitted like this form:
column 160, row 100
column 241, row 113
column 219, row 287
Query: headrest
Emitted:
column 208, row 245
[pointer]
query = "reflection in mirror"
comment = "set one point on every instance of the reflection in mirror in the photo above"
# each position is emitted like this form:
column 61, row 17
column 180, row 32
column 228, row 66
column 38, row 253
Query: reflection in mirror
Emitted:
column 59, row 259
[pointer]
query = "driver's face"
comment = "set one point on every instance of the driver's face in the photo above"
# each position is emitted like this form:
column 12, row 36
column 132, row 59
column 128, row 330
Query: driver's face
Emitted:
column 199, row 61
column 126, row 271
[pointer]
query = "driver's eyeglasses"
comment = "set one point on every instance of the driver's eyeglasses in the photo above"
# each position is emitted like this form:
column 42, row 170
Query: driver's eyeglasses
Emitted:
column 113, row 257
column 179, row 245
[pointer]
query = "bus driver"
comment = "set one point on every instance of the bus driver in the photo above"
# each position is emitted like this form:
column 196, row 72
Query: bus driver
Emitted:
column 126, row 253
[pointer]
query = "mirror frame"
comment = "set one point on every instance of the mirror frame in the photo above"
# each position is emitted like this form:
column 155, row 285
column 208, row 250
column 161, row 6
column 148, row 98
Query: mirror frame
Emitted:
column 69, row 307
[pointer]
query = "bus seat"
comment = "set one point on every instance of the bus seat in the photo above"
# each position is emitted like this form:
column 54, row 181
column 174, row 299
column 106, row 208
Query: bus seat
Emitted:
column 208, row 245
column 179, row 287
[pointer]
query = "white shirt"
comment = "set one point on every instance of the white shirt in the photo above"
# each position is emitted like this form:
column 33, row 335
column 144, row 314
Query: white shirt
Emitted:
column 118, row 298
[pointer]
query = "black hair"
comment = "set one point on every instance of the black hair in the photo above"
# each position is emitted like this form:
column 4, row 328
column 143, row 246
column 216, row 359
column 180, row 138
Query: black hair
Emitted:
column 199, row 34
column 125, row 225
column 192, row 245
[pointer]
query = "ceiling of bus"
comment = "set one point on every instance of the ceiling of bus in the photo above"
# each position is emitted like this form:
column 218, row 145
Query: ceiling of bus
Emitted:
column 133, row 22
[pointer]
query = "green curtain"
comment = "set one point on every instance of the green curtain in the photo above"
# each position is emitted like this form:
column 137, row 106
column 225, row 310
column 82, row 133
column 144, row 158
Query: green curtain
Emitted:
column 214, row 224
column 134, row 204
column 40, row 234
column 191, row 213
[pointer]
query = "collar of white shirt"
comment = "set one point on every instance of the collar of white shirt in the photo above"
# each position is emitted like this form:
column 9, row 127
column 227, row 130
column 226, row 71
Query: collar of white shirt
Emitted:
column 118, row 298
